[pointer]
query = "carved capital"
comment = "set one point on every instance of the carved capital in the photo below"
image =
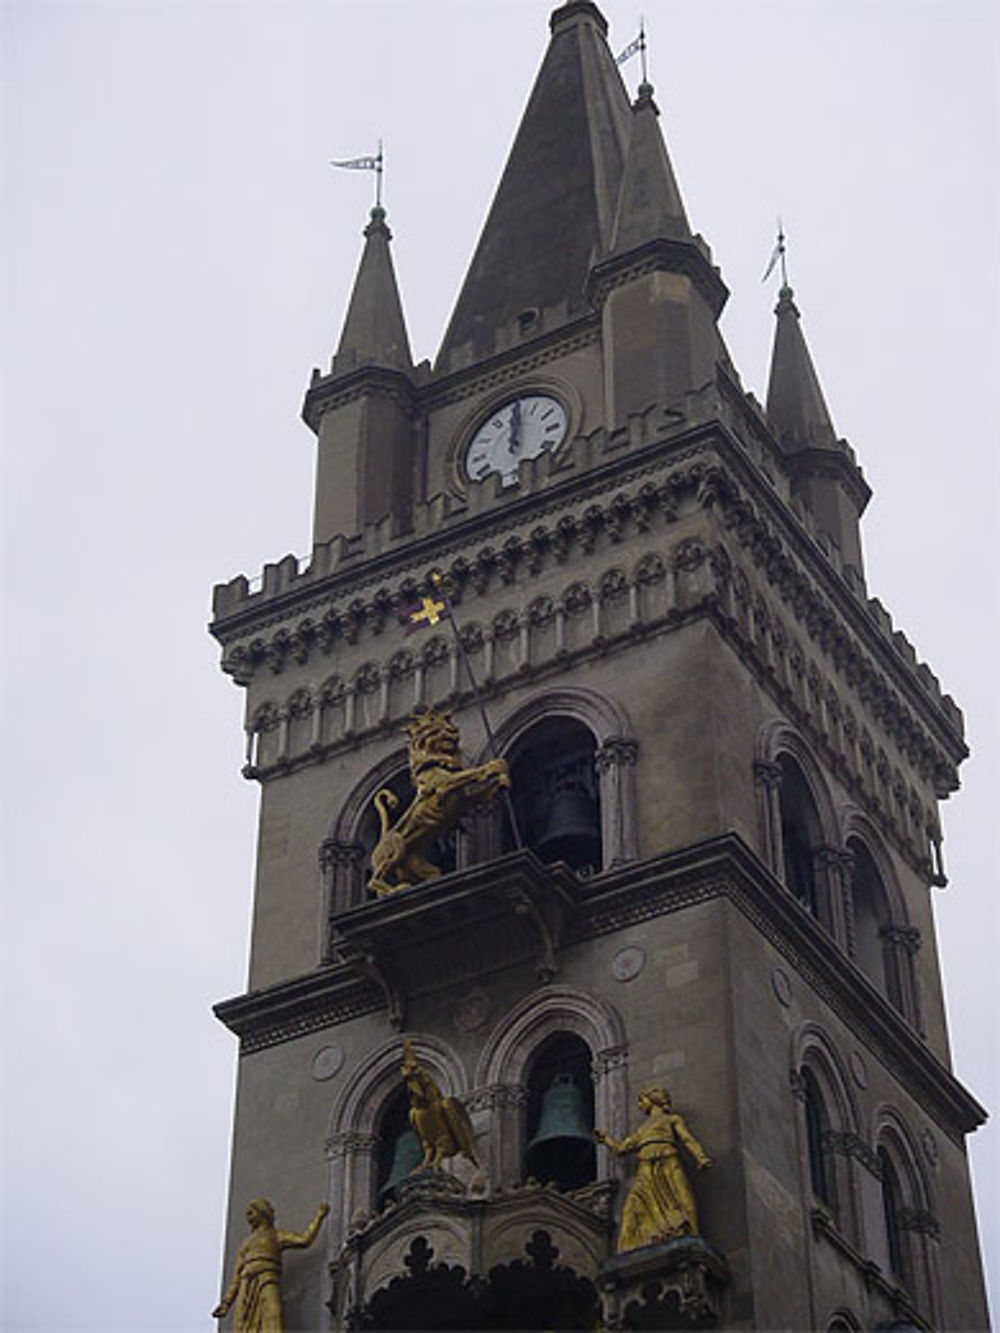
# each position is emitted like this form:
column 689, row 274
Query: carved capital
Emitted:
column 767, row 774
column 350, row 1143
column 497, row 1097
column 616, row 752
column 904, row 938
column 798, row 1086
column 615, row 1057
column 919, row 1220
column 334, row 853
column 849, row 1144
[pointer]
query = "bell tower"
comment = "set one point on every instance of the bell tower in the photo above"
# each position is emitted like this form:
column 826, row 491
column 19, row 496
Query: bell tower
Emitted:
column 658, row 1040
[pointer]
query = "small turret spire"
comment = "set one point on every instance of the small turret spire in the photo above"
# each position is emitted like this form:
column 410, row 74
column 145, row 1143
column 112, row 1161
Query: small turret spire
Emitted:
column 649, row 205
column 796, row 407
column 374, row 331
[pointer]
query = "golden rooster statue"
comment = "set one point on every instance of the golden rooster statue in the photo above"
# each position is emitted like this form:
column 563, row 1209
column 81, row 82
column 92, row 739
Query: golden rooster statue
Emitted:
column 441, row 1124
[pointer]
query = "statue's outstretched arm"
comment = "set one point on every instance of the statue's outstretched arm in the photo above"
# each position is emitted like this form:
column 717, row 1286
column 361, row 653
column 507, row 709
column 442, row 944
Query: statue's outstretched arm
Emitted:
column 301, row 1240
column 618, row 1146
column 229, row 1295
column 690, row 1142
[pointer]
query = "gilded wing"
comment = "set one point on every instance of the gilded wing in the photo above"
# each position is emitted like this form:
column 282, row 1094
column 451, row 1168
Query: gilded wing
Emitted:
column 456, row 1117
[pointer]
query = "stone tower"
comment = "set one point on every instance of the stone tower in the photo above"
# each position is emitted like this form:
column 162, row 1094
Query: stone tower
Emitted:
column 726, row 764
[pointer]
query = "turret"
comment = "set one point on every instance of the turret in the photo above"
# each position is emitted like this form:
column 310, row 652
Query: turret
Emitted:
column 658, row 292
column 824, row 471
column 361, row 411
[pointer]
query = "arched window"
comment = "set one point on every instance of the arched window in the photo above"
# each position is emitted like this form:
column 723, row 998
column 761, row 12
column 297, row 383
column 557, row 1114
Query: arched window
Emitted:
column 555, row 794
column 443, row 852
column 559, row 1143
column 397, row 1150
column 801, row 837
column 828, row 1131
column 892, row 1205
column 909, row 1228
column 872, row 926
column 817, row 1125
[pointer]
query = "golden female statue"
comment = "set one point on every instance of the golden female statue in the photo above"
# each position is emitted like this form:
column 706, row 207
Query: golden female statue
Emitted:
column 256, row 1282
column 659, row 1205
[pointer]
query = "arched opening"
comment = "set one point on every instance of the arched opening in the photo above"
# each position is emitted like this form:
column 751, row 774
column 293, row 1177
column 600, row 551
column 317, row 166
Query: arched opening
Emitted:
column 801, row 837
column 536, row 1292
column 872, row 920
column 817, row 1125
column 559, row 1124
column 555, row 794
column 892, row 1205
column 397, row 1151
column 443, row 852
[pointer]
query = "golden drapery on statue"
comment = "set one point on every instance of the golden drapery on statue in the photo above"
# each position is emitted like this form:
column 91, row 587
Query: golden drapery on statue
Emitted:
column 660, row 1203
column 254, row 1290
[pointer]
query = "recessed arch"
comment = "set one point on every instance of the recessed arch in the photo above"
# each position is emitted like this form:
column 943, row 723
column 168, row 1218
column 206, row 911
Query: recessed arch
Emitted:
column 344, row 826
column 614, row 757
column 509, row 1047
column 778, row 737
column 377, row 1076
column 503, row 1069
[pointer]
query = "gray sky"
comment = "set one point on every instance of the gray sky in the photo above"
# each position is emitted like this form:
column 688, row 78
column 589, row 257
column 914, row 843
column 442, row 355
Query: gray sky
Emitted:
column 177, row 256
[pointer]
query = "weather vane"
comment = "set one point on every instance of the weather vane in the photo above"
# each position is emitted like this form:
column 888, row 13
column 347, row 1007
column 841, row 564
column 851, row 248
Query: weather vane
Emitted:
column 639, row 44
column 369, row 163
column 778, row 253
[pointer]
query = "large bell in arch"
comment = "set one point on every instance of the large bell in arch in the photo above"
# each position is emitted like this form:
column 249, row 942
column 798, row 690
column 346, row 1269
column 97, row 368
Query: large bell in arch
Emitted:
column 572, row 830
column 407, row 1154
column 562, row 1148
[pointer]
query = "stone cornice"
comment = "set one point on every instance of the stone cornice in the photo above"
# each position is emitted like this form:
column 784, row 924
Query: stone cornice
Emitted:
column 586, row 509
column 326, row 392
column 717, row 867
column 662, row 254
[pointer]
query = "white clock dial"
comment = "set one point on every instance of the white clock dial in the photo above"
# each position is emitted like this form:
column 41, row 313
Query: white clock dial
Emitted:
column 523, row 428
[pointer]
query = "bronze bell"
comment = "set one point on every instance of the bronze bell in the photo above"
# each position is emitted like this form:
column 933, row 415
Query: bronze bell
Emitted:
column 572, row 829
column 407, row 1154
column 562, row 1150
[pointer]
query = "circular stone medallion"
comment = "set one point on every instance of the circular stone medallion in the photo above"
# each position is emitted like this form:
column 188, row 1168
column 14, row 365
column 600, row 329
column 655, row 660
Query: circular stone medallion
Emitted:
column 782, row 987
column 628, row 962
column 930, row 1147
column 327, row 1062
column 859, row 1069
column 472, row 1011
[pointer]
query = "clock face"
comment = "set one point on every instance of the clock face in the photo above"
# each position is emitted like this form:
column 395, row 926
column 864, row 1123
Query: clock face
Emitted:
column 523, row 428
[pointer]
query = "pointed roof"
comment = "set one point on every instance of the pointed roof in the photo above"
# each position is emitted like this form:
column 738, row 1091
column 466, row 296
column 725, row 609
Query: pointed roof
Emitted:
column 553, row 212
column 374, row 330
column 650, row 205
column 796, row 407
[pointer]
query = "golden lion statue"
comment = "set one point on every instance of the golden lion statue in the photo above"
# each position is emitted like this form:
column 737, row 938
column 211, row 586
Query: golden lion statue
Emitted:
column 443, row 791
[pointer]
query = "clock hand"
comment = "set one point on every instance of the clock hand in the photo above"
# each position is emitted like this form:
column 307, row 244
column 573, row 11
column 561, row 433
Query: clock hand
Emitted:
column 514, row 439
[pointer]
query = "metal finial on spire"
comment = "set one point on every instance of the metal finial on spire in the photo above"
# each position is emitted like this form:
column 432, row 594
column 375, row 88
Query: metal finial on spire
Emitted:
column 638, row 45
column 369, row 163
column 778, row 253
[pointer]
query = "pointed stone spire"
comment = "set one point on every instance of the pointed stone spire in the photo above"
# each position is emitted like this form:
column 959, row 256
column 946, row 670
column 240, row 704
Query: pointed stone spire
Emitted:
column 374, row 330
column 554, row 209
column 650, row 206
column 823, row 469
column 796, row 407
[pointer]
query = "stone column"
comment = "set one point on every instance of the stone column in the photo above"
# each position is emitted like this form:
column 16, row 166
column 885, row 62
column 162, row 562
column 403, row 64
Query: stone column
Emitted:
column 900, row 945
column 342, row 865
column 768, row 779
column 615, row 764
column 351, row 1164
column 833, row 879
